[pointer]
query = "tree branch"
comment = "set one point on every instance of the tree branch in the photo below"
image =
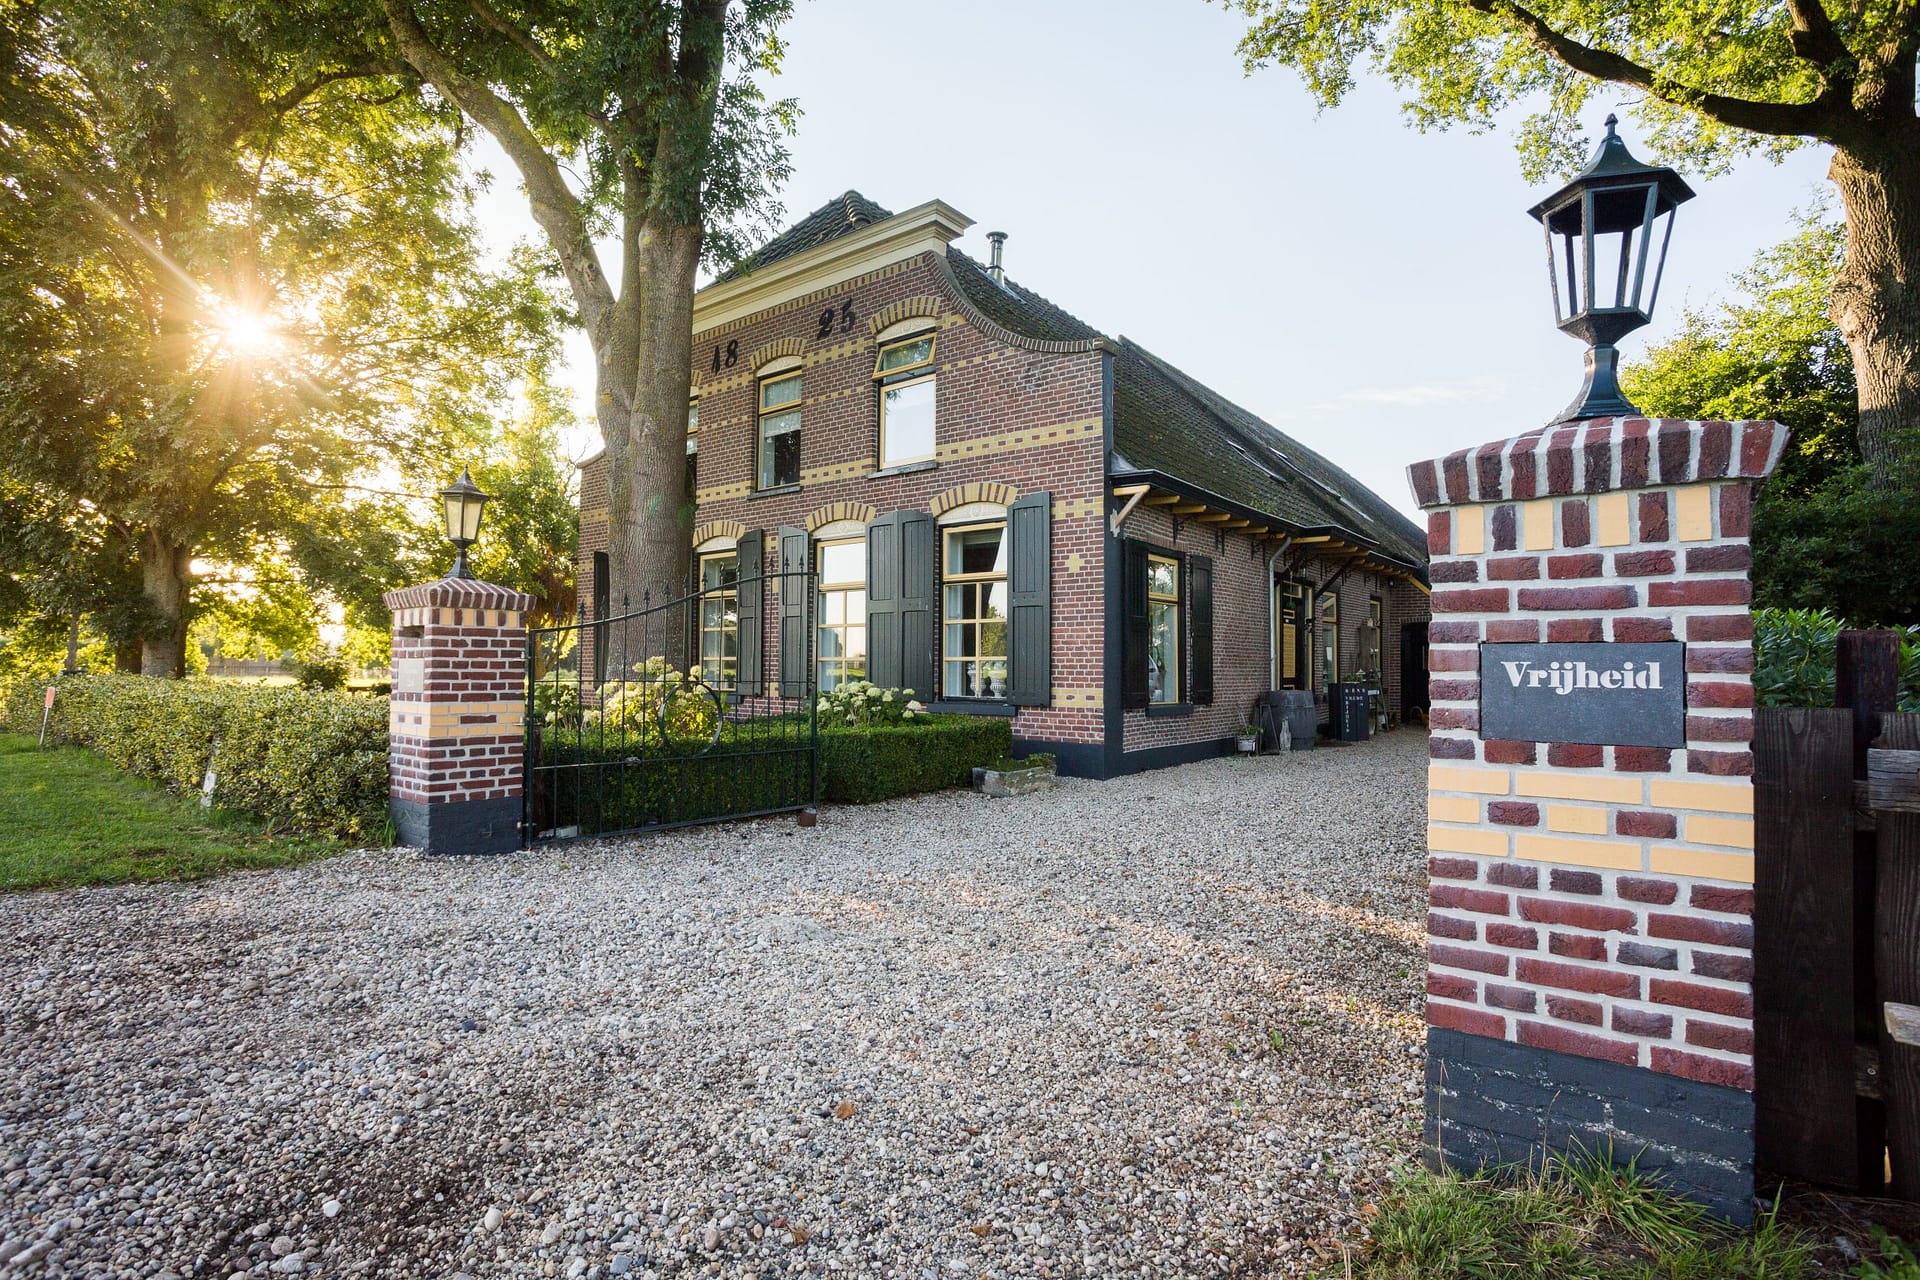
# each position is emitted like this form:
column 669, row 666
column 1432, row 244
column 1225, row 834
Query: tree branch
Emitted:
column 1820, row 118
column 555, row 207
column 1814, row 40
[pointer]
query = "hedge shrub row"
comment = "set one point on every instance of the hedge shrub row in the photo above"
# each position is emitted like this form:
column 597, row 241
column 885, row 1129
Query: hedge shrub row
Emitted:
column 1795, row 652
column 301, row 757
column 604, row 787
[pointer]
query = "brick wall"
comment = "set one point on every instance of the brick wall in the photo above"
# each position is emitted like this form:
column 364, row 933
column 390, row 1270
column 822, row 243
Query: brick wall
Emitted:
column 1011, row 416
column 1595, row 900
column 455, row 735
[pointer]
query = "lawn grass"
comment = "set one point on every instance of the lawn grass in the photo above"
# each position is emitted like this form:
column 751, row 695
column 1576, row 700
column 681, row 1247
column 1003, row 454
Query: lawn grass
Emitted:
column 1580, row 1219
column 68, row 817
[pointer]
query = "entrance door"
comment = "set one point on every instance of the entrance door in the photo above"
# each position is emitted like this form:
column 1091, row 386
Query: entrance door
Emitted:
column 1292, row 635
column 1413, row 672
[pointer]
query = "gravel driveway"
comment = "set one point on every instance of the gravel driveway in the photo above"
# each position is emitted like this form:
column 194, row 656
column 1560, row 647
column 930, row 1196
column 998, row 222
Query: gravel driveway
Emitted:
column 1166, row 1025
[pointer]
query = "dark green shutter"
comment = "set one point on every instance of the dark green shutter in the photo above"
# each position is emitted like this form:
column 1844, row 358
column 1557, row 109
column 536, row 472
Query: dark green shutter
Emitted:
column 919, row 592
column 794, row 562
column 1030, row 603
column 750, row 555
column 883, row 601
column 1133, row 628
column 1200, row 628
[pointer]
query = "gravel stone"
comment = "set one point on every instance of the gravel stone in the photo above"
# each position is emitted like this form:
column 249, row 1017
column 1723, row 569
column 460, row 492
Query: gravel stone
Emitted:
column 1165, row 1025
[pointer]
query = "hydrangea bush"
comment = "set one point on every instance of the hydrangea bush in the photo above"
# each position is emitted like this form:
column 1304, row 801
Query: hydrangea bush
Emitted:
column 655, row 704
column 859, row 702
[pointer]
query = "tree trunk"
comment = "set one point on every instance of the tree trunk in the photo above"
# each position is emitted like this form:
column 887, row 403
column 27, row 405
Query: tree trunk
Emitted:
column 644, row 377
column 164, row 577
column 1876, row 298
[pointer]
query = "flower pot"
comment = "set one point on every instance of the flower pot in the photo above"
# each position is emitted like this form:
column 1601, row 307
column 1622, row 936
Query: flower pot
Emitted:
column 1247, row 743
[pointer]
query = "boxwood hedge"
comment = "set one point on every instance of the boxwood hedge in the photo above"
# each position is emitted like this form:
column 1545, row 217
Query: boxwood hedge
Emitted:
column 318, row 759
column 303, row 757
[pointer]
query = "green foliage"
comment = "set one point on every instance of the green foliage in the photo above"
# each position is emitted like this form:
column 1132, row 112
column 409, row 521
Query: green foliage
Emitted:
column 1795, row 653
column 858, row 702
column 1823, row 536
column 1580, row 1218
column 243, row 288
column 324, row 671
column 1707, row 72
column 68, row 817
column 1896, row 1261
column 296, row 757
column 654, row 705
column 879, row 761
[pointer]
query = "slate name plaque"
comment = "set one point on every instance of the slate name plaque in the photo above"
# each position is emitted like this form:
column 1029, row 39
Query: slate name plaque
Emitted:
column 1624, row 695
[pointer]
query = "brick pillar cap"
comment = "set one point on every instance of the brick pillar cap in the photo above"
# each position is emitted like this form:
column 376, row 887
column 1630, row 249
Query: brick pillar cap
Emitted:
column 1598, row 455
column 458, row 593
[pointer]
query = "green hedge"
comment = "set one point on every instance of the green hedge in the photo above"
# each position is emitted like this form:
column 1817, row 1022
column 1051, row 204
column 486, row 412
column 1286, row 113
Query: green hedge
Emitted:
column 596, row 789
column 301, row 757
column 1795, row 652
column 860, row 766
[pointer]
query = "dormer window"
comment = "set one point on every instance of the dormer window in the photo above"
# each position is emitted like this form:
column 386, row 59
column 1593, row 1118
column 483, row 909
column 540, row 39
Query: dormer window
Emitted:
column 779, row 460
column 907, row 392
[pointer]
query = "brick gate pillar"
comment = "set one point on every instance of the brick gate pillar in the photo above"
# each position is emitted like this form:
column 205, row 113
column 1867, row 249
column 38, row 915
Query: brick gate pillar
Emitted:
column 455, row 732
column 1590, row 927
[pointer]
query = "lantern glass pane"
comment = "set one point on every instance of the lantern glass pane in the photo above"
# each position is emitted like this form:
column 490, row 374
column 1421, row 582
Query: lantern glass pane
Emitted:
column 453, row 504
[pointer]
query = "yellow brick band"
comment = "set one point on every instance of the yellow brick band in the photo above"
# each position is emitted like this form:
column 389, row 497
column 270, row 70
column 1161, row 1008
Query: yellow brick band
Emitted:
column 1607, row 788
column 1576, row 820
column 1612, row 517
column 1079, row 698
column 1015, row 440
column 1580, row 853
column 1484, row 782
column 1452, row 809
column 1469, row 531
column 1480, row 841
column 1735, row 833
column 1670, row 860
column 1537, row 518
column 1711, row 797
column 1693, row 513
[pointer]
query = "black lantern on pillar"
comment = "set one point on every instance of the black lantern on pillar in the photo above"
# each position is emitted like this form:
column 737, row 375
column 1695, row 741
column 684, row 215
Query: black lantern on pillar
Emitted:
column 1600, row 230
column 464, row 504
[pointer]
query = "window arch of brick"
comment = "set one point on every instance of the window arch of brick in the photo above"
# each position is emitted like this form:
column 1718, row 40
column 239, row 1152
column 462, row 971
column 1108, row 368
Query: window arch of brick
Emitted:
column 991, row 491
column 858, row 511
column 784, row 348
column 920, row 306
column 712, row 529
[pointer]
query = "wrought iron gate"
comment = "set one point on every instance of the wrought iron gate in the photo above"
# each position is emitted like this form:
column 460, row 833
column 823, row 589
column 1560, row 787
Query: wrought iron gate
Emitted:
column 670, row 715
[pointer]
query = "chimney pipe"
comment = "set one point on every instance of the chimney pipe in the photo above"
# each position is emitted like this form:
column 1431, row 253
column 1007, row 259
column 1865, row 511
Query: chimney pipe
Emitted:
column 998, row 239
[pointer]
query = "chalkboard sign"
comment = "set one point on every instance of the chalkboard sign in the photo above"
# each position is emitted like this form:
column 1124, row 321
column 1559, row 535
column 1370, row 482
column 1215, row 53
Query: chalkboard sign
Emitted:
column 1627, row 695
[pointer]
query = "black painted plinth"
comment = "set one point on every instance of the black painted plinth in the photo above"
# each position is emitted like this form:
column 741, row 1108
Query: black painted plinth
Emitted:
column 458, row 826
column 1492, row 1103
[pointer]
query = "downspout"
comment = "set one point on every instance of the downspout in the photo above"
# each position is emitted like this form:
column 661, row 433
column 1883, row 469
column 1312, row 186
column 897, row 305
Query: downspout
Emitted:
column 1273, row 620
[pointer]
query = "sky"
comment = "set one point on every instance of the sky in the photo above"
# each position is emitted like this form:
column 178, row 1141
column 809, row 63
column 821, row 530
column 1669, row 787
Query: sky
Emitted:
column 1375, row 292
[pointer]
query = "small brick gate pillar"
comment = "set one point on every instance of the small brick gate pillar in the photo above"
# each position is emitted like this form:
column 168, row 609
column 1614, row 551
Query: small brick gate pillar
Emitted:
column 1590, row 926
column 456, row 730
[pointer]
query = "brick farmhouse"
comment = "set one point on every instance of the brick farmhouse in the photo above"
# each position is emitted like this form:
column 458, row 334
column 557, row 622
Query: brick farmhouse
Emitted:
column 1008, row 511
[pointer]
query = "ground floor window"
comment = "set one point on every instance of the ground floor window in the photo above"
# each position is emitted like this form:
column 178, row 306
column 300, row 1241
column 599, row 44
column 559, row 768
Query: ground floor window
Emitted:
column 1163, row 629
column 720, row 619
column 1330, row 636
column 974, row 644
column 1370, row 642
column 842, row 620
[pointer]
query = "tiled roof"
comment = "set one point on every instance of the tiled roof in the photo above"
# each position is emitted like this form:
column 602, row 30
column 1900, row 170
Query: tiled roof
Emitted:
column 844, row 213
column 1163, row 420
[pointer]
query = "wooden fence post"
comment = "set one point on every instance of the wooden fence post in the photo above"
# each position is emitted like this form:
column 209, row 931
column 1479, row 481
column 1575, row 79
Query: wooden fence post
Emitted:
column 1897, row 966
column 1807, row 1121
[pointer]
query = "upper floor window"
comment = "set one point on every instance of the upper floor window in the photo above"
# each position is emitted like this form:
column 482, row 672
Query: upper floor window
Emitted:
column 779, row 462
column 974, row 646
column 693, row 450
column 907, row 385
column 1163, row 629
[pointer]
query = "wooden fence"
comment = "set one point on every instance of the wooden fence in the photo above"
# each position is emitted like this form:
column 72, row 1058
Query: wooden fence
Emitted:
column 1837, row 932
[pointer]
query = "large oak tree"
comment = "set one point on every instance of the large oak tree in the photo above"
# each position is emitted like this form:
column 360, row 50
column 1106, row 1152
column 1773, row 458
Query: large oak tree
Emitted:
column 1712, row 78
column 641, row 120
column 236, row 276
